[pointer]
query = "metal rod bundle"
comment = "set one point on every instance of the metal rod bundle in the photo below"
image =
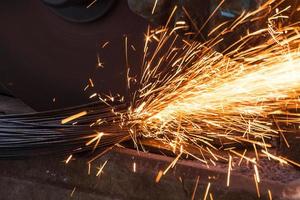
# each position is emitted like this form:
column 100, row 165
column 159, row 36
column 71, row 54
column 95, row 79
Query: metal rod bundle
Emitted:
column 42, row 133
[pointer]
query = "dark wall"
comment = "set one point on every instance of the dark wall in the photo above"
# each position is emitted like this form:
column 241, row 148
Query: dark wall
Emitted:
column 44, row 57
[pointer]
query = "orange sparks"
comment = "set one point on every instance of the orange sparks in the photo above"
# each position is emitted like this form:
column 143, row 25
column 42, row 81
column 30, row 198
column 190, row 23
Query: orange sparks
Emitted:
column 206, row 191
column 255, row 150
column 91, row 82
column 73, row 117
column 86, row 87
column 91, row 4
column 100, row 171
column 159, row 175
column 134, row 167
column 96, row 138
column 256, row 186
column 172, row 164
column 133, row 48
column 256, row 173
column 212, row 14
column 89, row 168
column 154, row 6
column 105, row 44
column 69, row 158
column 240, row 162
column 290, row 161
column 229, row 170
column 99, row 63
column 195, row 187
column 243, row 157
column 72, row 193
column 93, row 95
column 206, row 96
column 213, row 155
column 274, row 157
column 270, row 194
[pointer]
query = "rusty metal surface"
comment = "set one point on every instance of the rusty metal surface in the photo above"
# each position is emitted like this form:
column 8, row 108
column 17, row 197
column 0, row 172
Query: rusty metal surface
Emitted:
column 50, row 178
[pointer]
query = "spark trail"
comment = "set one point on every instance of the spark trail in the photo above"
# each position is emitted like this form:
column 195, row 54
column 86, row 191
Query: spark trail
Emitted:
column 191, row 95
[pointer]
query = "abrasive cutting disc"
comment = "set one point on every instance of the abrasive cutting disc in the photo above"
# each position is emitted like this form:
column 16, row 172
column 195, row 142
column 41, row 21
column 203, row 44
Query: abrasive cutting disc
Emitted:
column 80, row 11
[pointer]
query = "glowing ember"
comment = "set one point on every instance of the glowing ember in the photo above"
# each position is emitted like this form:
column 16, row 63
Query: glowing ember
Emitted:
column 73, row 117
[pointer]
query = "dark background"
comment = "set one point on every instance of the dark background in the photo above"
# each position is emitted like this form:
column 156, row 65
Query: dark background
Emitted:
column 43, row 56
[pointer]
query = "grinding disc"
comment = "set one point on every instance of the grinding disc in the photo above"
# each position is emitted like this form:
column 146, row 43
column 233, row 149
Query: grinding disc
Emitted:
column 80, row 11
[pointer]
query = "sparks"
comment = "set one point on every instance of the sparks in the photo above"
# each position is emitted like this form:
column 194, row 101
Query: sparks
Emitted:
column 229, row 170
column 159, row 175
column 256, row 186
column 72, row 193
column 134, row 167
column 68, row 159
column 206, row 191
column 208, row 98
column 73, row 117
column 100, row 171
